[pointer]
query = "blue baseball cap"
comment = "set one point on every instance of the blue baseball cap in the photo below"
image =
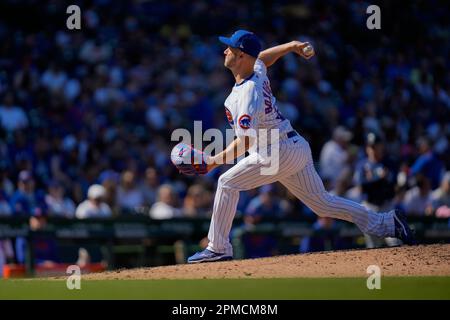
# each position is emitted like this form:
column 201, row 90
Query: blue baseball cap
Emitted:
column 244, row 40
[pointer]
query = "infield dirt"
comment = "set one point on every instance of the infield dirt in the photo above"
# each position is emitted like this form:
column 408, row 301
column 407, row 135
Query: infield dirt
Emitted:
column 423, row 260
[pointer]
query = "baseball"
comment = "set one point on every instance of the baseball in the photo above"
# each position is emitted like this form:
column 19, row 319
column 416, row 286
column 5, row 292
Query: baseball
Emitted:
column 308, row 50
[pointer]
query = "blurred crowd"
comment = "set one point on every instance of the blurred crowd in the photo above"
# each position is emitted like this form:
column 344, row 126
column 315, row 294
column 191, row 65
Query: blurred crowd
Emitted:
column 86, row 115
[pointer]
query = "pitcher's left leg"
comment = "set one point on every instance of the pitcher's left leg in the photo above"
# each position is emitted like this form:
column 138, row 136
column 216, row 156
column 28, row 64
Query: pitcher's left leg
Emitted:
column 307, row 186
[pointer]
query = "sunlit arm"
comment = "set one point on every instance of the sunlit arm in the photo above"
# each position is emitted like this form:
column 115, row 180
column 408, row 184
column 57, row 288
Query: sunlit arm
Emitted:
column 271, row 55
column 234, row 150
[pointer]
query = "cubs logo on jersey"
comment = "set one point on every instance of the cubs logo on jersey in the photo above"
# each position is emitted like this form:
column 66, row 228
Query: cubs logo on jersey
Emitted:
column 244, row 121
column 229, row 116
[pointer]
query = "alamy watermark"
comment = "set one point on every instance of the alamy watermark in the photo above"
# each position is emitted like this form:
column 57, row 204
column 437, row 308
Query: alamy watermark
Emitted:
column 374, row 280
column 74, row 20
column 374, row 20
column 74, row 280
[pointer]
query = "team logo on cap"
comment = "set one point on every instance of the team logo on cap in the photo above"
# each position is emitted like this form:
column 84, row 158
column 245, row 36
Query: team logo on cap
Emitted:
column 229, row 116
column 244, row 121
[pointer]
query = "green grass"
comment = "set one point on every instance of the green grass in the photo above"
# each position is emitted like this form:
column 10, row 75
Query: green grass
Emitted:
column 223, row 289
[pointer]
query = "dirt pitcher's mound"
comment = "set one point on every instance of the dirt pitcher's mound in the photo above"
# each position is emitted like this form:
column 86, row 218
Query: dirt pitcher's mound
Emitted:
column 430, row 260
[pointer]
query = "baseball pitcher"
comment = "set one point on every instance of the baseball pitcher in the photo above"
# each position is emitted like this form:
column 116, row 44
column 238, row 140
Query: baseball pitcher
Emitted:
column 251, row 106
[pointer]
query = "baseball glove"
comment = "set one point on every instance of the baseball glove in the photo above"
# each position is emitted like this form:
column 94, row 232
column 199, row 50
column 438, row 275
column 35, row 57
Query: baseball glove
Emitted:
column 189, row 160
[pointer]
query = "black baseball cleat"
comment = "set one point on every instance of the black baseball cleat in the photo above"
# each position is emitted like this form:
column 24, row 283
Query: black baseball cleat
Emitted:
column 402, row 230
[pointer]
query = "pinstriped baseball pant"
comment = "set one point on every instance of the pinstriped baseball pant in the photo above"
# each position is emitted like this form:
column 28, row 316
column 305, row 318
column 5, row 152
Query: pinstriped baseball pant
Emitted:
column 297, row 173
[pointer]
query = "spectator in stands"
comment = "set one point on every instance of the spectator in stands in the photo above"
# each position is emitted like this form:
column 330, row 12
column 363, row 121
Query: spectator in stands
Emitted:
column 6, row 184
column 109, row 179
column 244, row 200
column 26, row 80
column 344, row 186
column 25, row 201
column 265, row 205
column 54, row 78
column 5, row 208
column 150, row 186
column 427, row 164
column 12, row 117
column 197, row 202
column 129, row 196
column 440, row 199
column 418, row 198
column 325, row 237
column 165, row 207
column 57, row 204
column 334, row 155
column 375, row 177
column 94, row 206
column 45, row 247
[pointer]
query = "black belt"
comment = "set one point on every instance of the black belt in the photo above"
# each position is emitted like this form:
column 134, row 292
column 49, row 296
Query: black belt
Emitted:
column 292, row 134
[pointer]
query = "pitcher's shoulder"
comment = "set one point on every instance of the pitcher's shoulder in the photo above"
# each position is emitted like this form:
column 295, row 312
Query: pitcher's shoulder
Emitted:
column 259, row 67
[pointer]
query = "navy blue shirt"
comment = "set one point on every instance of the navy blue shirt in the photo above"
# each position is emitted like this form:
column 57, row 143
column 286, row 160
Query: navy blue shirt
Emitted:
column 23, row 204
column 376, row 179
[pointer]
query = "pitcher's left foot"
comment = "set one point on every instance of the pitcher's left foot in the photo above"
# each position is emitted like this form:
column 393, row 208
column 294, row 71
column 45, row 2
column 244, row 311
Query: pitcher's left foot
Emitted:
column 402, row 230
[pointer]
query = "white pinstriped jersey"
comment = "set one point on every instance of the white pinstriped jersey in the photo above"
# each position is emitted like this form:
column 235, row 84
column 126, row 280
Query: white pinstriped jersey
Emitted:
column 251, row 105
